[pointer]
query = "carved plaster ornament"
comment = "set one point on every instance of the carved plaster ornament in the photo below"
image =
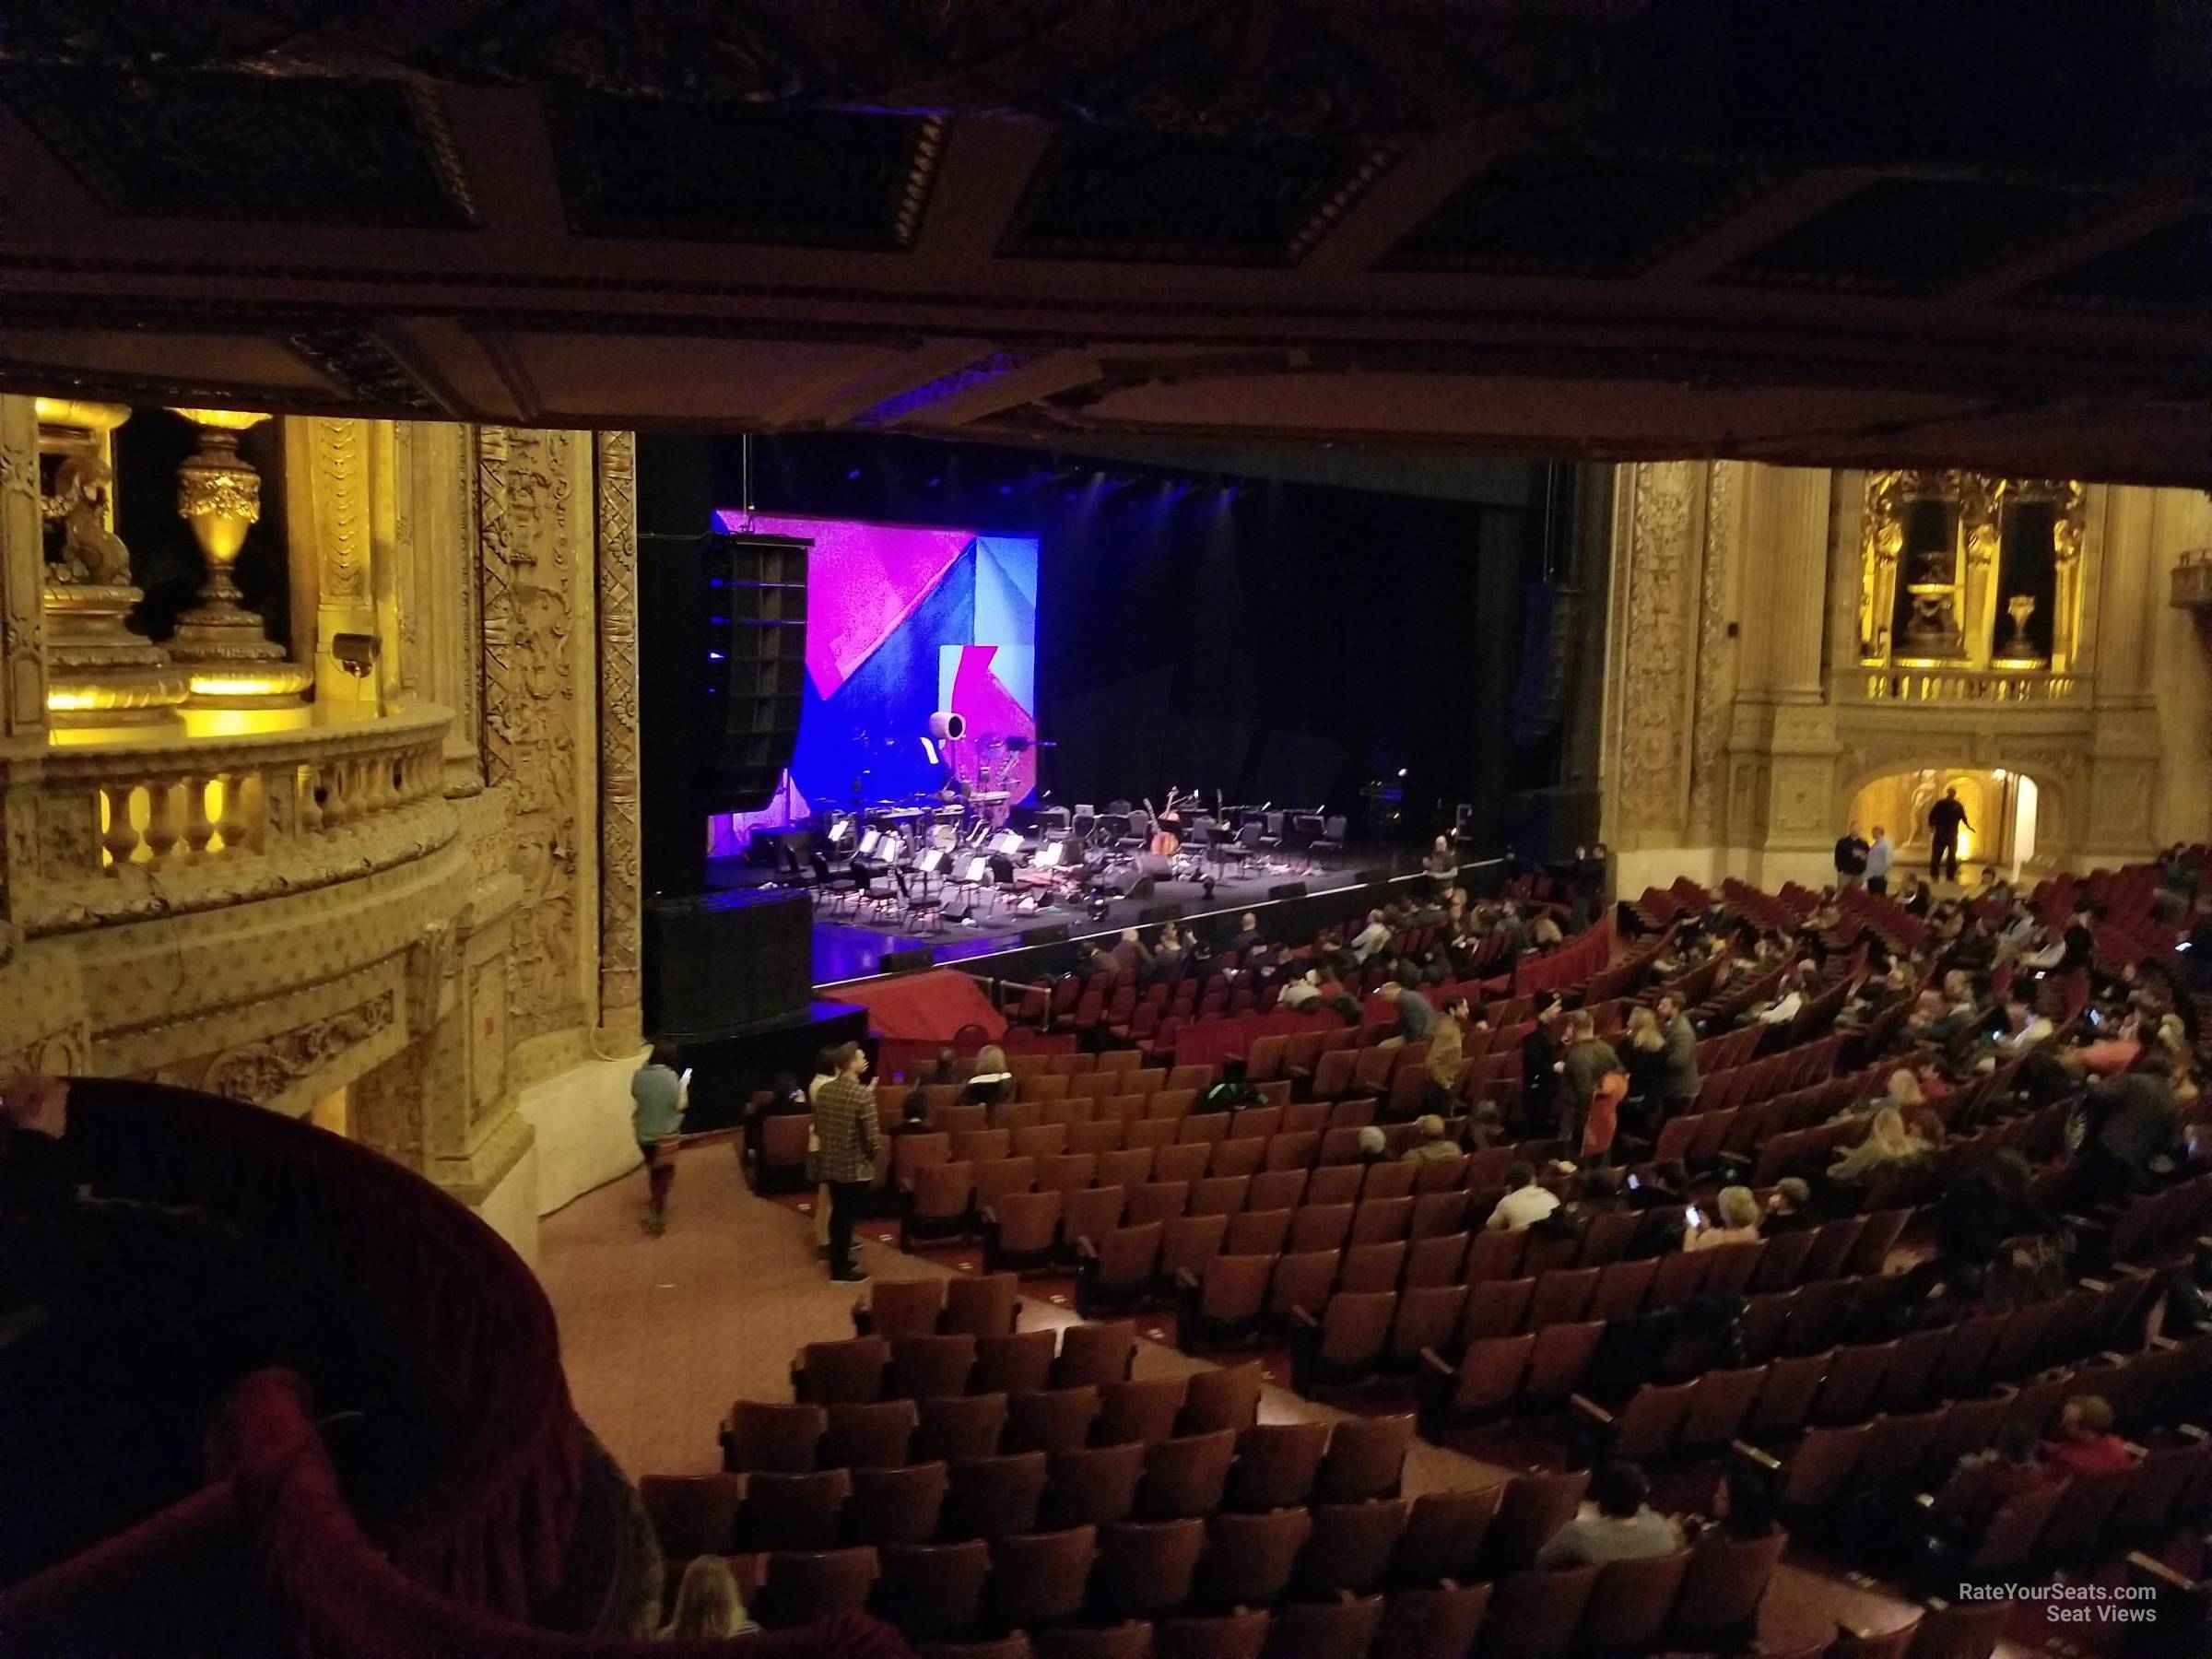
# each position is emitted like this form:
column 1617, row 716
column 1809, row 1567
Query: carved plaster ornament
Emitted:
column 91, row 553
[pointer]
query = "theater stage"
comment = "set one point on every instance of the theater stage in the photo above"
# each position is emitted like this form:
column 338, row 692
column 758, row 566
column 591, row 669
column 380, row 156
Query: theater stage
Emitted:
column 998, row 940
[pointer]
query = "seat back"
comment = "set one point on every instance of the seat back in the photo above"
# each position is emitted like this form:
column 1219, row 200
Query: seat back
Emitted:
column 1092, row 1486
column 1052, row 1419
column 1352, row 1545
column 966, row 1426
column 849, row 1372
column 1629, row 1604
column 1276, row 1464
column 1095, row 1353
column 1445, row 1535
column 931, row 1590
column 873, row 1436
column 1367, row 1458
column 1534, row 1614
column 1186, row 1474
column 1014, row 1364
column 990, row 1497
column 1039, row 1578
column 1250, row 1558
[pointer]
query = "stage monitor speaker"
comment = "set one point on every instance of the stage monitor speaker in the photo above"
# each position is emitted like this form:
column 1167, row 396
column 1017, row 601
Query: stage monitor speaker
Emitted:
column 1160, row 913
column 1130, row 884
column 1054, row 935
column 719, row 962
column 1288, row 889
column 1372, row 878
column 903, row 961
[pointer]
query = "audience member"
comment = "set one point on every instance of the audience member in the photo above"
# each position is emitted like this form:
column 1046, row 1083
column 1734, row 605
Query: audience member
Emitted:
column 1524, row 1203
column 1540, row 1062
column 1984, row 1481
column 1234, row 1092
column 1430, row 1140
column 1888, row 1140
column 845, row 1124
column 1374, row 1146
column 1619, row 1525
column 2084, row 1444
column 1736, row 1221
column 2137, row 1119
column 1416, row 1013
column 1586, row 1063
column 708, row 1606
column 1789, row 1207
column 1678, row 1079
column 992, row 1081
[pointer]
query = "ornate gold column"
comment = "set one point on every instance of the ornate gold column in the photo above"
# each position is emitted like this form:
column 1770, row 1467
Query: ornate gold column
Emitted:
column 22, row 575
column 331, row 484
column 231, row 661
column 434, row 539
column 98, row 673
column 621, row 1013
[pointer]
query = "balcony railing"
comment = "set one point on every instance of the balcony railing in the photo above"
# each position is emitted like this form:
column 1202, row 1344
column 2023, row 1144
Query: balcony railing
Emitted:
column 131, row 830
column 1897, row 685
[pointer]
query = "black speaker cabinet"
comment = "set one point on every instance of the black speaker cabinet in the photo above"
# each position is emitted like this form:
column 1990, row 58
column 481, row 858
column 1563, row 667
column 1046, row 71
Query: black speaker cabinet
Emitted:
column 1372, row 878
column 1161, row 913
column 1054, row 935
column 1288, row 889
column 719, row 962
column 903, row 961
column 754, row 674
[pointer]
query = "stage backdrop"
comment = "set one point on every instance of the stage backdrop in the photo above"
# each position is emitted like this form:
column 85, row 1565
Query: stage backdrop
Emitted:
column 904, row 621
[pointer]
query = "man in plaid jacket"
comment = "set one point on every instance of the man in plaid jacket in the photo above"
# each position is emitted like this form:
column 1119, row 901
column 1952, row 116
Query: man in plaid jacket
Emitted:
column 848, row 1134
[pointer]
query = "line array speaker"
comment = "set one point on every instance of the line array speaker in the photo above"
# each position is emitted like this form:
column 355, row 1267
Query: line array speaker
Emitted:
column 754, row 674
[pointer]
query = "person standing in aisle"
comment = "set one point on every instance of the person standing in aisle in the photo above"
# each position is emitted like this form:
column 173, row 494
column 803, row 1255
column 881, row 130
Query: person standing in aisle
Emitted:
column 1881, row 852
column 659, row 1099
column 1945, row 818
column 1851, row 858
column 844, row 1118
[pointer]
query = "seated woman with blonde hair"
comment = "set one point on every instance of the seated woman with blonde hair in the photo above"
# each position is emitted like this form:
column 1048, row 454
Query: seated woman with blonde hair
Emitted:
column 707, row 1603
column 1888, row 1140
column 990, row 1082
column 1736, row 1221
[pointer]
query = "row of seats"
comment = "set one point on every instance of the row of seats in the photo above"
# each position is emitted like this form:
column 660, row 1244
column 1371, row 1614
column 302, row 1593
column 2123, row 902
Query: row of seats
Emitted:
column 1883, row 1464
column 1443, row 1624
column 1212, row 1572
column 1793, row 1336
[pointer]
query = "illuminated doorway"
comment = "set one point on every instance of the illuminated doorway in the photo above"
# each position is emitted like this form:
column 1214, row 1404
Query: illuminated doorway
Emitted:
column 2000, row 814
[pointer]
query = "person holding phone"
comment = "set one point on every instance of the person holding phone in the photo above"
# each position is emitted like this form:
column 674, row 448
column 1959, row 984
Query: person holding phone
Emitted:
column 659, row 1099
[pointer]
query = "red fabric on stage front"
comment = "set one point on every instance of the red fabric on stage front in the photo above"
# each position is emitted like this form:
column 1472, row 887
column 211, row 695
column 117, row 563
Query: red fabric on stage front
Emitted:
column 923, row 1008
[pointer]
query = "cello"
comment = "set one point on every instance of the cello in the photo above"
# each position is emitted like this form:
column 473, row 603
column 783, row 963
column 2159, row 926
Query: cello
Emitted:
column 1164, row 840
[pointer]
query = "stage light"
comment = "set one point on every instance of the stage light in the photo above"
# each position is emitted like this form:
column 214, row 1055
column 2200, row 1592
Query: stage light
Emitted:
column 934, row 482
column 852, row 477
column 1006, row 489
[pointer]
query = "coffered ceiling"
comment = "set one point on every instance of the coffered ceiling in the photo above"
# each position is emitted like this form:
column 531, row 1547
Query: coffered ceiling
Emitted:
column 1886, row 230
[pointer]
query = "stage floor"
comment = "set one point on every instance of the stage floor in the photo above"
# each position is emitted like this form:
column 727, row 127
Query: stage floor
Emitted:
column 850, row 949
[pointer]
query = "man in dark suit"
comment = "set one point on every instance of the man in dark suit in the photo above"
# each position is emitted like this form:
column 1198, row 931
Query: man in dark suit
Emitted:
column 1945, row 818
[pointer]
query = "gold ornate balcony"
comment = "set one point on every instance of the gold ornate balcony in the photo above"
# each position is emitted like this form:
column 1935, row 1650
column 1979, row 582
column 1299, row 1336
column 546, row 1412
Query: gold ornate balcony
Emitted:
column 1902, row 684
column 168, row 824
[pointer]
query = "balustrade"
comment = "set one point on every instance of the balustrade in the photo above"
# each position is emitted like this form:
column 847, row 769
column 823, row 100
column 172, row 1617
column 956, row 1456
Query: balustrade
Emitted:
column 1904, row 685
column 217, row 819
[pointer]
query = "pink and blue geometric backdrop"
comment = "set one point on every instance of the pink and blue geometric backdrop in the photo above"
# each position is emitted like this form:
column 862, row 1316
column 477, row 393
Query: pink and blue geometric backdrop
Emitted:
column 904, row 620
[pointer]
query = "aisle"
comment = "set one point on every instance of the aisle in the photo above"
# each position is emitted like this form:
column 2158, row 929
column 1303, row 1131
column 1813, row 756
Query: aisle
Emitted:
column 660, row 1335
